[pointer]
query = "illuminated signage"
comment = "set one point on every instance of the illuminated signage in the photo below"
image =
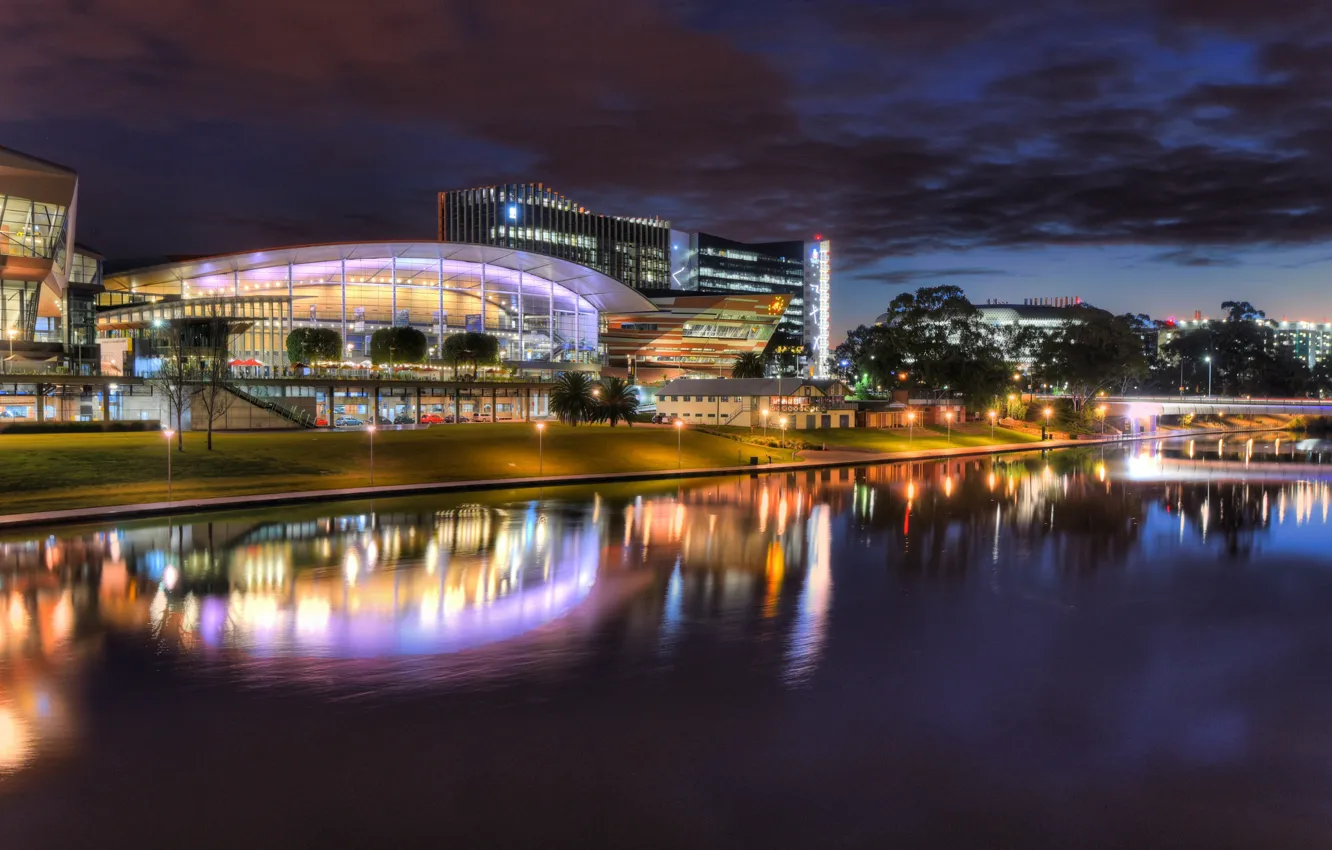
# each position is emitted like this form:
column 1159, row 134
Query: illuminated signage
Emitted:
column 822, row 255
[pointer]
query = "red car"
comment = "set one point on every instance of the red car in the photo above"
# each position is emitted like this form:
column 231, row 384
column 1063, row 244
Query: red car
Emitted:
column 431, row 419
column 321, row 422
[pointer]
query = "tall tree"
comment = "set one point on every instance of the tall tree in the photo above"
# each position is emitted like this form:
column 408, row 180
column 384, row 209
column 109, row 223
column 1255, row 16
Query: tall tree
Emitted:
column 214, row 393
column 314, row 345
column 470, row 347
column 571, row 398
column 1095, row 351
column 749, row 364
column 617, row 401
column 389, row 346
column 173, row 379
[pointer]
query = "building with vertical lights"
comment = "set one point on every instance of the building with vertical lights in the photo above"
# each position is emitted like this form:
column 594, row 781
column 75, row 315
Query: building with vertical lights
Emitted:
column 818, row 298
column 533, row 218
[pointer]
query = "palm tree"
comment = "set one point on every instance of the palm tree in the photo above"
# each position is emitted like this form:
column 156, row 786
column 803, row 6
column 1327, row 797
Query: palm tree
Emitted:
column 617, row 401
column 750, row 364
column 571, row 398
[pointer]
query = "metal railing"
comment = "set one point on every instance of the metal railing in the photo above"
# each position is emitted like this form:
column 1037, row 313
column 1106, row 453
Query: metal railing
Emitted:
column 299, row 417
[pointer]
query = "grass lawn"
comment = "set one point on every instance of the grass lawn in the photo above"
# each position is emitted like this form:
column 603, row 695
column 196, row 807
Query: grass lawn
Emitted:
column 898, row 440
column 52, row 471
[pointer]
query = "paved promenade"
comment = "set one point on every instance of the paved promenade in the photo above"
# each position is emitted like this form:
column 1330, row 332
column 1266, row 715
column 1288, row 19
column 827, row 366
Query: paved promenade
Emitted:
column 809, row 460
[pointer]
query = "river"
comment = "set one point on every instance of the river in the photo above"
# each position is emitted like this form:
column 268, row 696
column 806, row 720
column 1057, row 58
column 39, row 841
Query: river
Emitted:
column 1096, row 647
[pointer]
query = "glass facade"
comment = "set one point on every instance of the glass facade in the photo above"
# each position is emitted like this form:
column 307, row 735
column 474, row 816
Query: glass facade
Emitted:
column 531, row 217
column 18, row 308
column 31, row 229
column 721, row 265
column 535, row 319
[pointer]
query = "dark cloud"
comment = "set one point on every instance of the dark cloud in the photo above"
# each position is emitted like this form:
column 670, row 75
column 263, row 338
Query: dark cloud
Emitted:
column 899, row 277
column 1194, row 259
column 897, row 127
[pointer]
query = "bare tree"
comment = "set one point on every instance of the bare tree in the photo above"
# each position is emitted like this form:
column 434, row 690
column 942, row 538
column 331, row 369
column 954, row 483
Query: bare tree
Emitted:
column 215, row 395
column 172, row 380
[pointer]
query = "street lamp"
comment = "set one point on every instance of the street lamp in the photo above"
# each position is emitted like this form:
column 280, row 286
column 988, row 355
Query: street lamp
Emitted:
column 993, row 418
column 948, row 418
column 1101, row 411
column 168, row 434
column 782, row 422
column 1046, row 425
column 679, row 436
column 541, row 448
column 371, row 429
column 911, row 426
column 1208, row 359
column 764, row 414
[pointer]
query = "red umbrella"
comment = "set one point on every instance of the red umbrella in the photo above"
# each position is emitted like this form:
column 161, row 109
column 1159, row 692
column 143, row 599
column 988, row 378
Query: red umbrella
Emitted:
column 250, row 362
column 235, row 362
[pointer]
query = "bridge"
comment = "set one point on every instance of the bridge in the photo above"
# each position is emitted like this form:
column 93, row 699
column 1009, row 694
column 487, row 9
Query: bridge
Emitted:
column 1143, row 407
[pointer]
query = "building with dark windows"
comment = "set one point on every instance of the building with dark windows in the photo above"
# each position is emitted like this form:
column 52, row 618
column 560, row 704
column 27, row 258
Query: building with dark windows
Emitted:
column 531, row 217
column 47, row 285
column 711, row 264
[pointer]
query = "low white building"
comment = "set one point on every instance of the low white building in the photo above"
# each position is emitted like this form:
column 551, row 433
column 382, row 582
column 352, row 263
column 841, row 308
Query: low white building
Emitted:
column 804, row 403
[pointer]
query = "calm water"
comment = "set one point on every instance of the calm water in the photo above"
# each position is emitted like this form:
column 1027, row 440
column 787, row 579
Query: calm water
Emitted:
column 1090, row 648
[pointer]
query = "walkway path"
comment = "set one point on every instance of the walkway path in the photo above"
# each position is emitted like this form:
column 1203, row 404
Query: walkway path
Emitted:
column 811, row 460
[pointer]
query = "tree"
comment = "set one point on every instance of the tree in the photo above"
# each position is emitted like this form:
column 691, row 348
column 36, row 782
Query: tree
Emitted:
column 571, row 398
column 471, row 347
column 750, row 364
column 1093, row 351
column 314, row 345
column 932, row 340
column 397, row 345
column 215, row 395
column 173, row 378
column 1245, row 358
column 617, row 401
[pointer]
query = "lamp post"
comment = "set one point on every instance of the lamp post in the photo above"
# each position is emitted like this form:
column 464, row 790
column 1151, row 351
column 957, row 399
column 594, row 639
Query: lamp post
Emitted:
column 911, row 426
column 541, row 448
column 1011, row 399
column 764, row 414
column 371, row 429
column 1046, row 425
column 679, row 437
column 168, row 434
column 994, row 417
column 782, row 422
column 1101, row 410
column 1208, row 359
column 948, row 418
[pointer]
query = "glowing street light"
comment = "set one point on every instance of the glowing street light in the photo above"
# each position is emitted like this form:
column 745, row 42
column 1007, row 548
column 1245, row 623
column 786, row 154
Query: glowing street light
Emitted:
column 1045, row 426
column 911, row 426
column 1208, row 361
column 993, row 418
column 1101, row 412
column 948, row 418
column 783, row 424
column 371, row 429
column 679, row 437
column 764, row 414
column 541, row 447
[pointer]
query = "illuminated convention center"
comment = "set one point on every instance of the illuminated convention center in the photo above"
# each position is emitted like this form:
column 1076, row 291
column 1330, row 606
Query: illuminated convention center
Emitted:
column 543, row 310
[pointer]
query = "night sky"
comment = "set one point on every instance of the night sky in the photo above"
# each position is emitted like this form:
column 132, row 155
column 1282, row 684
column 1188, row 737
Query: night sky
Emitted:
column 1148, row 155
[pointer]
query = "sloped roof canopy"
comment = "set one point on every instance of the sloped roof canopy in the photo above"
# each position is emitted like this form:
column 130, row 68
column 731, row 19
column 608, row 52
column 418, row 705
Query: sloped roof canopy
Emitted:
column 604, row 293
column 36, row 179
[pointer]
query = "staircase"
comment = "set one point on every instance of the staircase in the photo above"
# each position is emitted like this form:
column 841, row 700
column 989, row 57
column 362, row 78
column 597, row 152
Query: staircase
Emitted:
column 299, row 418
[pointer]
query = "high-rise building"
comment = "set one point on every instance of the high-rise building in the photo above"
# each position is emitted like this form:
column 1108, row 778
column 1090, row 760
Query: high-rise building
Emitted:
column 533, row 218
column 818, row 311
column 704, row 263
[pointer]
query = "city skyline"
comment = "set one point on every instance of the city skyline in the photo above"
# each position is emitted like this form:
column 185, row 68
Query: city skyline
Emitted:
column 1154, row 156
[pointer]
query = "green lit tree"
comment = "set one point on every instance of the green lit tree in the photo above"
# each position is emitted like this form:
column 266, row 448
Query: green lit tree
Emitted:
column 389, row 346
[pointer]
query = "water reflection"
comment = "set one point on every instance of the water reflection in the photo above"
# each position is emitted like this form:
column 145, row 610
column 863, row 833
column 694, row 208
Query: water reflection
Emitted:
column 503, row 585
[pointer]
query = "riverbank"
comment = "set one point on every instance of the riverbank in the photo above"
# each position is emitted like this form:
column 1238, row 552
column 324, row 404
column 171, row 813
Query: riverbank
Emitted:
column 466, row 447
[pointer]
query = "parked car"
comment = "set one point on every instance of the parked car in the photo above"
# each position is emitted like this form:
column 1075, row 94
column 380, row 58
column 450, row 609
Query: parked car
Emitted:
column 431, row 419
column 403, row 419
column 321, row 422
column 347, row 422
